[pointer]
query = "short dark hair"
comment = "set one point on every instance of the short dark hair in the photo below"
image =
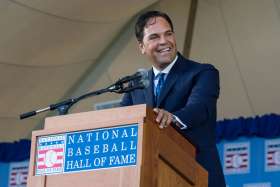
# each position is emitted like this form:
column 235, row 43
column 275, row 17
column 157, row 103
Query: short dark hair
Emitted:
column 144, row 18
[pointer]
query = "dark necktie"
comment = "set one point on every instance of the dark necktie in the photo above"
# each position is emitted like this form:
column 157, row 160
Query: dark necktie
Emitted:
column 159, row 86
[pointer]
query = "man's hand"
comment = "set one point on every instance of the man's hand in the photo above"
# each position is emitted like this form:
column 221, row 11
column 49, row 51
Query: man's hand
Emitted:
column 164, row 118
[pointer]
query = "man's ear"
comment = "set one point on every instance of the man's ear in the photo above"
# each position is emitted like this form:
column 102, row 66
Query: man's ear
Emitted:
column 141, row 47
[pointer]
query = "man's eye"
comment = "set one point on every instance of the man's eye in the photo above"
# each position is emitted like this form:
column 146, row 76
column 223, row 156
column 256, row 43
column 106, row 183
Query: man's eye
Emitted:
column 169, row 33
column 153, row 37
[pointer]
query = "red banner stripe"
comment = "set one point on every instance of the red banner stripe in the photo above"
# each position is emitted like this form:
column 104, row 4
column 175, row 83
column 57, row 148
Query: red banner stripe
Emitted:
column 46, row 150
column 54, row 166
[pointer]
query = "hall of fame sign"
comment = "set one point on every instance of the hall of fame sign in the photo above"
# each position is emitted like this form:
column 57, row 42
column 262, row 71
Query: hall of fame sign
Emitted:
column 87, row 150
column 272, row 155
column 50, row 154
column 236, row 158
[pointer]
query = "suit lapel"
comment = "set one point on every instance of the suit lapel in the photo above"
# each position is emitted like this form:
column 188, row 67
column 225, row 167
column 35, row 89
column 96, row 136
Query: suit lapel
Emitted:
column 149, row 92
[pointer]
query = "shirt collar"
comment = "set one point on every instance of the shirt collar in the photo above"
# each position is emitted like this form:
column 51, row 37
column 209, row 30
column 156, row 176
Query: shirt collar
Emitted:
column 167, row 69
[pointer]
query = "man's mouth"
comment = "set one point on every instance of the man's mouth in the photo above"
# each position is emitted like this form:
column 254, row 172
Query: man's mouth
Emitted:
column 164, row 50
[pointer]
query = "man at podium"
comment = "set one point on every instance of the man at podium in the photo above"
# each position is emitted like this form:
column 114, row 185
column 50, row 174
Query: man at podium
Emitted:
column 182, row 92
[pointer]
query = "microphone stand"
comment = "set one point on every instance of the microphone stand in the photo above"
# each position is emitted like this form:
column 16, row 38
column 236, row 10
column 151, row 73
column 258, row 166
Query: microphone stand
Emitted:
column 64, row 106
column 123, row 85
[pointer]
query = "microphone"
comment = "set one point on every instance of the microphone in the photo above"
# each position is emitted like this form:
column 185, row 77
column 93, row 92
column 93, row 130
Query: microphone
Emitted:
column 141, row 73
column 138, row 80
column 141, row 80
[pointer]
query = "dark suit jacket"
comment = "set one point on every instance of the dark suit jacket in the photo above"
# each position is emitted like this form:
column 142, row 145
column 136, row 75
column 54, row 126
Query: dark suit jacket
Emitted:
column 190, row 92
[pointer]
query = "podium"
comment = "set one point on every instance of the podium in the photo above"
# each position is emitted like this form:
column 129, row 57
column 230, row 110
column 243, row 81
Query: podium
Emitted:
column 120, row 147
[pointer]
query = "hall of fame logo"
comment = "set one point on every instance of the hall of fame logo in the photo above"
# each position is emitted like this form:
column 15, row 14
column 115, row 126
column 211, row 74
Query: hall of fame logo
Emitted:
column 18, row 174
column 50, row 154
column 272, row 155
column 236, row 158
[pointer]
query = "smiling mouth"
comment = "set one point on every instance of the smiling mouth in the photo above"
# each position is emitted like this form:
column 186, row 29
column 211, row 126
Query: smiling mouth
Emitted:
column 165, row 50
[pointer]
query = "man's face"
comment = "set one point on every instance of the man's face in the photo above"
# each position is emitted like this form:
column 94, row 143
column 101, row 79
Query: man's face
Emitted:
column 158, row 42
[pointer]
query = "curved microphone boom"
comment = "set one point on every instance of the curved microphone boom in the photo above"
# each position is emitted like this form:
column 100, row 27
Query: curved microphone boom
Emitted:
column 138, row 80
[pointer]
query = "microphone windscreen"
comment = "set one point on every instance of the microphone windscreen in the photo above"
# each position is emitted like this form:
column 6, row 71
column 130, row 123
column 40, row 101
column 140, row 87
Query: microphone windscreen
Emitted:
column 145, row 83
column 144, row 77
column 143, row 72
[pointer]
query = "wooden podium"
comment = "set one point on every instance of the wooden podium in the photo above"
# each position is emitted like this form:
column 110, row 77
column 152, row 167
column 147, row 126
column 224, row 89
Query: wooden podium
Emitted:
column 164, row 157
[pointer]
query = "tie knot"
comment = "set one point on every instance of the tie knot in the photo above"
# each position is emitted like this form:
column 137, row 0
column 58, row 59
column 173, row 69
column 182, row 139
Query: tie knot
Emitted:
column 160, row 76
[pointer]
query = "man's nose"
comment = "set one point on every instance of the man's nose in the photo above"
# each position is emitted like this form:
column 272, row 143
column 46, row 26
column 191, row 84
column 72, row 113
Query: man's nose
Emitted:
column 162, row 40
